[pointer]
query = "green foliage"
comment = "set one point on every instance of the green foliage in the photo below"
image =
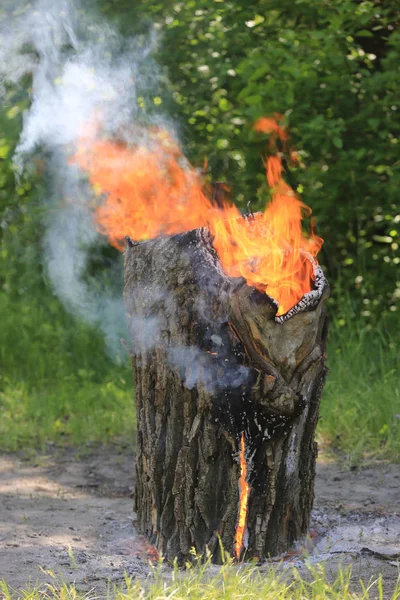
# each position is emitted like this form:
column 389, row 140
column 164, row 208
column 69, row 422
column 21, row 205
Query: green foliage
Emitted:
column 332, row 69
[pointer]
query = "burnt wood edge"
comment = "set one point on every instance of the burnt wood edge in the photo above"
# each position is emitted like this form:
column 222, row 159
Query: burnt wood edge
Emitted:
column 130, row 242
column 311, row 299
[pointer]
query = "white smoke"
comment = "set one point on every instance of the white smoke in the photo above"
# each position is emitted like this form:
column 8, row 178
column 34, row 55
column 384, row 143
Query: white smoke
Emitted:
column 197, row 367
column 80, row 68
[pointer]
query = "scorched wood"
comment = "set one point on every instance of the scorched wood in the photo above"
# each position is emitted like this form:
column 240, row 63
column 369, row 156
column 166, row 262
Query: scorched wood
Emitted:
column 214, row 367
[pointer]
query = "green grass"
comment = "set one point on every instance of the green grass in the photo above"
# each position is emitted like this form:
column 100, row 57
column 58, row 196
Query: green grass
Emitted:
column 57, row 382
column 245, row 582
column 360, row 407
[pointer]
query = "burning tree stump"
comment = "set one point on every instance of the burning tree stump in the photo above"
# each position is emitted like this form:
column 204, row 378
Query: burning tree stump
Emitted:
column 227, row 399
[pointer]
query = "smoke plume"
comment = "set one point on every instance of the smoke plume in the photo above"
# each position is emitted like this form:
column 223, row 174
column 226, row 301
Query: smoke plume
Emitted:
column 80, row 69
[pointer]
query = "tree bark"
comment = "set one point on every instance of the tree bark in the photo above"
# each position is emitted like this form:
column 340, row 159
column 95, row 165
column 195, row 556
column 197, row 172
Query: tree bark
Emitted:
column 211, row 362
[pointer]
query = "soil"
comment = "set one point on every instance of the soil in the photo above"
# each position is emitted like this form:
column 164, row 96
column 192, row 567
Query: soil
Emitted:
column 70, row 517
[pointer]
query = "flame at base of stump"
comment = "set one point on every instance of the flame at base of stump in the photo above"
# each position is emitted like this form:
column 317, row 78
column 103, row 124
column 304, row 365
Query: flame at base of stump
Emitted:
column 219, row 377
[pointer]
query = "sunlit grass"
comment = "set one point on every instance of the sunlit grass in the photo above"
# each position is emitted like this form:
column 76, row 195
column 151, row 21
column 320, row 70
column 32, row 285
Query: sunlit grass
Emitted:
column 361, row 402
column 77, row 413
column 204, row 582
column 57, row 382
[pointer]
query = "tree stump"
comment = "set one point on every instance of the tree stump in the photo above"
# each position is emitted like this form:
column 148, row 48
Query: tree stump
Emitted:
column 216, row 371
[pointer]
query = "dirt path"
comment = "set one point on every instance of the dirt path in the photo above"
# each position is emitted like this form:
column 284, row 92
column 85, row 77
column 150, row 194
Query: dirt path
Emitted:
column 72, row 517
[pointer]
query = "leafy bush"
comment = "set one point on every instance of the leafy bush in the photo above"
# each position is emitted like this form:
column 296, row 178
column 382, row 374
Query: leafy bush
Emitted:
column 332, row 69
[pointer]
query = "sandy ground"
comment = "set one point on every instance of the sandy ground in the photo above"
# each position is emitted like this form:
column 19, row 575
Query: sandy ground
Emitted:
column 71, row 517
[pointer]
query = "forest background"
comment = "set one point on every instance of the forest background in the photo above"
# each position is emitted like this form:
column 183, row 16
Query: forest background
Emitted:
column 332, row 68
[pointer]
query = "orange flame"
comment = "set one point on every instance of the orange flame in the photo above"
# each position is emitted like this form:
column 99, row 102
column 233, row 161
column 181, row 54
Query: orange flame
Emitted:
column 244, row 491
column 150, row 189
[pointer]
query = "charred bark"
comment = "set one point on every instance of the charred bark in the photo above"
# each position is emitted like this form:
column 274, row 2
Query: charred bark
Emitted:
column 211, row 360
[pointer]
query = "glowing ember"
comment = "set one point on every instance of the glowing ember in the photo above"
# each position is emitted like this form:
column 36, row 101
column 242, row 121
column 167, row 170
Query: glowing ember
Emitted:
column 150, row 189
column 244, row 490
